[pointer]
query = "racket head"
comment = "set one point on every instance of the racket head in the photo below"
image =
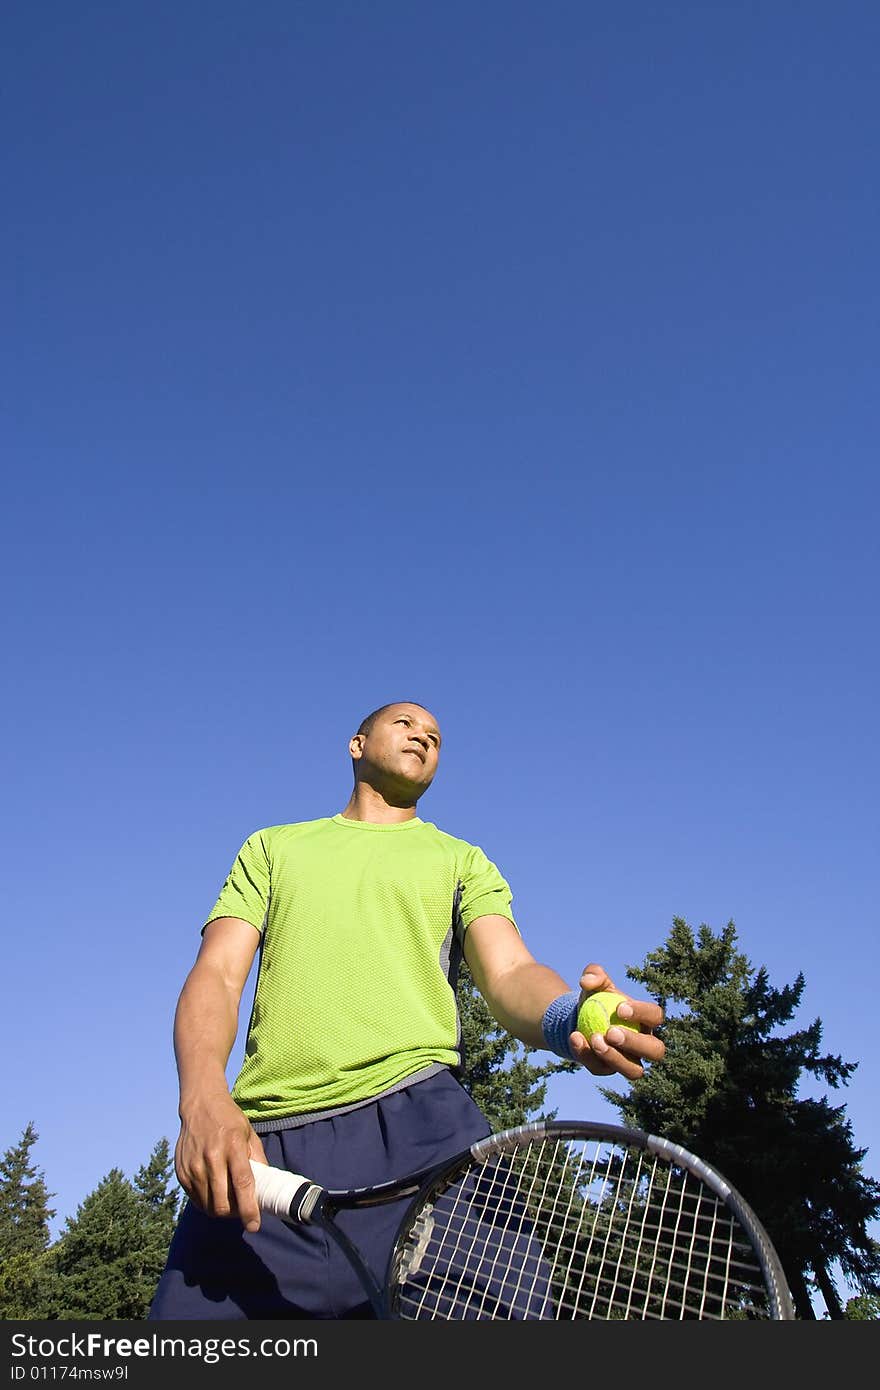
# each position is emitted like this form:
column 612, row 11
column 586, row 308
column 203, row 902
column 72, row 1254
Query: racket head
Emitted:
column 568, row 1220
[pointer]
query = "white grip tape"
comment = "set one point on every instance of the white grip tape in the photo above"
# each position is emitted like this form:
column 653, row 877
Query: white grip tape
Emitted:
column 288, row 1195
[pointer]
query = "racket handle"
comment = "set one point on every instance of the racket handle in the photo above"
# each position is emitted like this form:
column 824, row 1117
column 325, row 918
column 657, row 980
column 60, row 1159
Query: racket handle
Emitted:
column 288, row 1195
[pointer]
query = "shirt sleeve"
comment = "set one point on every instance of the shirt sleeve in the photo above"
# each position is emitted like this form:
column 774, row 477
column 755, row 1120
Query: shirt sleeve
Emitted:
column 247, row 888
column 485, row 892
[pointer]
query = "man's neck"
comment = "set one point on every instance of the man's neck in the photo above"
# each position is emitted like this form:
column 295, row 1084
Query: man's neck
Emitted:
column 365, row 803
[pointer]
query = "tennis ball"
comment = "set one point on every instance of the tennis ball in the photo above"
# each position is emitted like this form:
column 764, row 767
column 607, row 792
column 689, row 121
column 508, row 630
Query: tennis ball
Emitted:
column 599, row 1012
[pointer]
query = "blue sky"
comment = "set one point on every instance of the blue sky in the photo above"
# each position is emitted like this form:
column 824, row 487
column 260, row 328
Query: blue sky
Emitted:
column 517, row 359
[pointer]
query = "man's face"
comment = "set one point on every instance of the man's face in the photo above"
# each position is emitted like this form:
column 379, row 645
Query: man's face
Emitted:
column 400, row 750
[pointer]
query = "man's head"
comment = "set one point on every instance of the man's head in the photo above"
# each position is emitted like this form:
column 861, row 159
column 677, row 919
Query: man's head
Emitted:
column 395, row 750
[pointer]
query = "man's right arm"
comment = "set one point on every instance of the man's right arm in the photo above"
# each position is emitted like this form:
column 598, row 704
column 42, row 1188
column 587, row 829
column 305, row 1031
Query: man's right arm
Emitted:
column 216, row 1140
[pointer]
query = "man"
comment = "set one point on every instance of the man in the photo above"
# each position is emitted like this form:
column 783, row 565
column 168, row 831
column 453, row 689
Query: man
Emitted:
column 349, row 1074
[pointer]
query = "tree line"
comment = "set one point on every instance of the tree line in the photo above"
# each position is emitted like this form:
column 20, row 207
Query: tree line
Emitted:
column 727, row 1089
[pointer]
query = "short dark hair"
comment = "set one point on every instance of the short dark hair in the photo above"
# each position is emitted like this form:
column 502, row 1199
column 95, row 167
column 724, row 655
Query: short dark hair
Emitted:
column 366, row 724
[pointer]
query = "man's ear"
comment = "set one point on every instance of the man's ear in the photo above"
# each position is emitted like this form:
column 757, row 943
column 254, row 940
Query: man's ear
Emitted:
column 356, row 746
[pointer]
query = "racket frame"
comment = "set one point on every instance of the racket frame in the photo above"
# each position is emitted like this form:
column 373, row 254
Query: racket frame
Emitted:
column 316, row 1205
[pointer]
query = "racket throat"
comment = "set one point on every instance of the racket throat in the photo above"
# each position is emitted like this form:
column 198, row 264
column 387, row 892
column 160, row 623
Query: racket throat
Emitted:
column 372, row 1288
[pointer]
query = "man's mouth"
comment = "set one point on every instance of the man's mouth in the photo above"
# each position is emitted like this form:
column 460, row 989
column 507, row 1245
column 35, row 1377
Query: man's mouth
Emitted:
column 418, row 752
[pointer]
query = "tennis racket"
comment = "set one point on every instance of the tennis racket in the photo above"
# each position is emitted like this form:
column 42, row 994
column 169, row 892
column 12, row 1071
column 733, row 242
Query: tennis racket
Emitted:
column 557, row 1220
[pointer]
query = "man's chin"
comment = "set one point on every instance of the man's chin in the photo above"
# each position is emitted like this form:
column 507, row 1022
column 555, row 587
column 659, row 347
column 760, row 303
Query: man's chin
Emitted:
column 414, row 786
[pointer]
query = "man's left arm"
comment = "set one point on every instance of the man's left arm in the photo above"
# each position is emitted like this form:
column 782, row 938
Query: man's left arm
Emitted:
column 518, row 991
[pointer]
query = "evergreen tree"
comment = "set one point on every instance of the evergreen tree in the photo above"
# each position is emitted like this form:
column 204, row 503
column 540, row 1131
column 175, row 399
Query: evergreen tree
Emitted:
column 498, row 1075
column 156, row 1185
column 152, row 1182
column 110, row 1255
column 864, row 1308
column 727, row 1089
column 24, row 1232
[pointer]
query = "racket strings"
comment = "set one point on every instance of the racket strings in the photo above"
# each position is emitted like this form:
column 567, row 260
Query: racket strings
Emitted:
column 571, row 1229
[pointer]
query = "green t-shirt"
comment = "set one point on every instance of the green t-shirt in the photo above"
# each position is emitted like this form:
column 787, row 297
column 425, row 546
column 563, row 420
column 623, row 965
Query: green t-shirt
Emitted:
column 360, row 948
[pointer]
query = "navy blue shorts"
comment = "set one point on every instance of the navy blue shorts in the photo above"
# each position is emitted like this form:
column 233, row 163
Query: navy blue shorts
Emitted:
column 216, row 1269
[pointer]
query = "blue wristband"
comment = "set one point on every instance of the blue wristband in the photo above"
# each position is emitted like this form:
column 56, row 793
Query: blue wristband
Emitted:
column 559, row 1022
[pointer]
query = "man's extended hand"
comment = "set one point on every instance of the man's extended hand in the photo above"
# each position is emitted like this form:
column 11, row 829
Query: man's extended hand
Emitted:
column 619, row 1050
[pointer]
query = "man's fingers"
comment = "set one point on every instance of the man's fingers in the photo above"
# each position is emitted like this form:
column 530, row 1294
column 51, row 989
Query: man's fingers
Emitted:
column 595, row 977
column 625, row 1054
column 644, row 1012
column 589, row 1058
column 245, row 1194
column 641, row 1047
column 616, row 1061
column 223, row 1186
column 217, row 1183
column 196, row 1186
